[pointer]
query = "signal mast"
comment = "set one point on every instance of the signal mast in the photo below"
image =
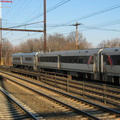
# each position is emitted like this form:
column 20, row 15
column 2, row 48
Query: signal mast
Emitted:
column 5, row 1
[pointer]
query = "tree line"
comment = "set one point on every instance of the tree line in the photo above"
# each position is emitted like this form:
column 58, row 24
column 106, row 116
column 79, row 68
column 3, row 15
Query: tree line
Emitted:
column 55, row 42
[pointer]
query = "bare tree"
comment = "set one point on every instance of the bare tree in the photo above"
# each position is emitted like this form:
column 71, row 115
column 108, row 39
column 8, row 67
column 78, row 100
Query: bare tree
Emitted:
column 82, row 42
column 7, row 50
column 38, row 44
column 110, row 43
column 72, row 37
column 85, row 45
column 56, row 42
column 31, row 45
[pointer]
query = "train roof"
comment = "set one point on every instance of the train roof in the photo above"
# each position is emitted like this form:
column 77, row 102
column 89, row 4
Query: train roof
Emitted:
column 72, row 52
column 24, row 54
column 17, row 54
column 34, row 53
column 111, row 51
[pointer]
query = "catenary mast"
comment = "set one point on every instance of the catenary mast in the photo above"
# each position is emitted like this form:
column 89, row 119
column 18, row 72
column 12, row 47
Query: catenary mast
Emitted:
column 6, row 1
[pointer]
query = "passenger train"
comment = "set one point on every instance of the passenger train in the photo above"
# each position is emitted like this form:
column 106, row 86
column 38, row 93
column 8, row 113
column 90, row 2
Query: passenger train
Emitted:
column 98, row 64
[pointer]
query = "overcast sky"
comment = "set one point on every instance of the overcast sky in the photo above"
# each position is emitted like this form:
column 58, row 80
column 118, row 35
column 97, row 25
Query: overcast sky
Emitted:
column 100, row 19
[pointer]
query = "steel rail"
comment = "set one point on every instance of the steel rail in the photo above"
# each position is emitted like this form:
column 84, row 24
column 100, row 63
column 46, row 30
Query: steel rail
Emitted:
column 63, row 104
column 28, row 113
column 80, row 99
column 88, row 102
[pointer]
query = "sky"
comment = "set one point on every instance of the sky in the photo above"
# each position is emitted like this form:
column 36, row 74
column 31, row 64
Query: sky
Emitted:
column 99, row 19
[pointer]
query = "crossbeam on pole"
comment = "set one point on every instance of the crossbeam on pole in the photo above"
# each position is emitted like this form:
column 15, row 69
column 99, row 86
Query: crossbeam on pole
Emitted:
column 21, row 30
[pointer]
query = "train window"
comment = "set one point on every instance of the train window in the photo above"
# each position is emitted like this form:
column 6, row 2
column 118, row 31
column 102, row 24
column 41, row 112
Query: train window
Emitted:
column 16, row 58
column 116, row 49
column 65, row 59
column 116, row 59
column 75, row 59
column 80, row 60
column 39, row 59
column 84, row 59
column 105, row 59
column 28, row 59
column 47, row 59
column 112, row 59
column 91, row 59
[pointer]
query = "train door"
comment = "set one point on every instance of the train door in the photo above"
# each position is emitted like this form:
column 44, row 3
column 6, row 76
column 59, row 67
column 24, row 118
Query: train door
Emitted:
column 103, row 67
column 95, row 66
column 59, row 61
column 35, row 62
column 21, row 59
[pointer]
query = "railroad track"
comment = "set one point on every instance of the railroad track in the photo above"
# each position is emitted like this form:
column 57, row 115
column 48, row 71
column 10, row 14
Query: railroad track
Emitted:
column 103, row 93
column 10, row 109
column 83, row 108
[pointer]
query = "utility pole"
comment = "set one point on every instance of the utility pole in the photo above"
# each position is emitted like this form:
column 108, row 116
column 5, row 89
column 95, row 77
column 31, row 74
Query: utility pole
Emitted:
column 44, row 25
column 1, row 27
column 76, row 33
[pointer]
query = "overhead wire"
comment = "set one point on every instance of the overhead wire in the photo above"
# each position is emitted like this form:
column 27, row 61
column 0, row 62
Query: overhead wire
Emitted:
column 21, row 8
column 109, row 23
column 98, row 28
column 20, row 11
column 89, row 15
column 25, row 24
column 104, row 24
column 66, row 23
column 12, row 8
column 48, row 10
column 32, row 13
column 15, row 15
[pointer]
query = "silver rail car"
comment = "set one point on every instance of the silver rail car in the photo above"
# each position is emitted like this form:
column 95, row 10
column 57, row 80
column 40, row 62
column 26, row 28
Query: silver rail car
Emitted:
column 84, row 63
column 110, row 65
column 29, row 60
column 17, row 59
column 98, row 64
column 25, row 60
